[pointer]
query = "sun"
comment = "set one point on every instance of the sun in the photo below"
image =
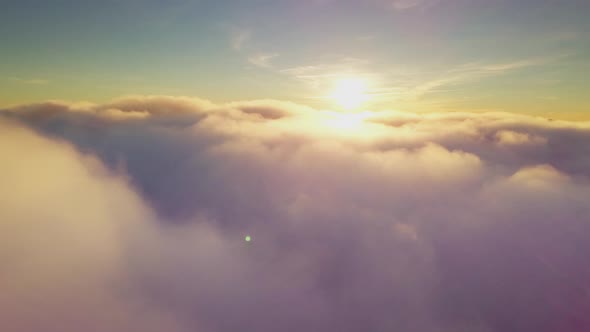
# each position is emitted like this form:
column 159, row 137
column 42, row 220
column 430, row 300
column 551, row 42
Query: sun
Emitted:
column 350, row 93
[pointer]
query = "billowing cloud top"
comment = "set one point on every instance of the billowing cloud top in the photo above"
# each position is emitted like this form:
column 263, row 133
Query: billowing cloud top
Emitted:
column 131, row 216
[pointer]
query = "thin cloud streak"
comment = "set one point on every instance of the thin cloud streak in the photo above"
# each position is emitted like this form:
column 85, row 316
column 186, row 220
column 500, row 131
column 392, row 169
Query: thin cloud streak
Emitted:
column 263, row 60
column 240, row 38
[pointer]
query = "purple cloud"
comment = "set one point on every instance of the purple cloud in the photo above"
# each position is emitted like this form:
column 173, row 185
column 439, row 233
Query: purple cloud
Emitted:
column 131, row 215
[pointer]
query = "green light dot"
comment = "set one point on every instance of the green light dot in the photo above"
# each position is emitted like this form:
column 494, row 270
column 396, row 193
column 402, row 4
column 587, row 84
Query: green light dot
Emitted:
column 248, row 238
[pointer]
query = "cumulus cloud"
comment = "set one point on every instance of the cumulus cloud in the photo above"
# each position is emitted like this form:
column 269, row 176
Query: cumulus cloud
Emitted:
column 131, row 215
column 65, row 224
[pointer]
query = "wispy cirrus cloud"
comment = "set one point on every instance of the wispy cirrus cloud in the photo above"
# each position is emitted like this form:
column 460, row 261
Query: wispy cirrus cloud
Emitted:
column 391, row 85
column 239, row 37
column 322, row 74
column 469, row 72
column 263, row 60
column 406, row 84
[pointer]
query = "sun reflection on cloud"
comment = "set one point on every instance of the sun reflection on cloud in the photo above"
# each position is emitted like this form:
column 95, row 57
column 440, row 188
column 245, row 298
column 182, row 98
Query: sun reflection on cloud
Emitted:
column 346, row 121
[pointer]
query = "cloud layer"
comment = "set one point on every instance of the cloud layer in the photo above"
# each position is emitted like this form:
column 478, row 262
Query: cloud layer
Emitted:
column 131, row 215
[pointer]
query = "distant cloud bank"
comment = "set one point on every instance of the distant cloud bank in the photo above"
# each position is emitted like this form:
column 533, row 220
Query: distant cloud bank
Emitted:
column 131, row 216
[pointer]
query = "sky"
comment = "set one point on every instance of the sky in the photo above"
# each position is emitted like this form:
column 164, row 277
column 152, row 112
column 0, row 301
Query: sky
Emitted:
column 527, row 56
column 310, row 165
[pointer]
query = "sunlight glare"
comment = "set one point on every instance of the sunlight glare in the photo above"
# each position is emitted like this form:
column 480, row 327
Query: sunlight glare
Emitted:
column 350, row 93
column 346, row 121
